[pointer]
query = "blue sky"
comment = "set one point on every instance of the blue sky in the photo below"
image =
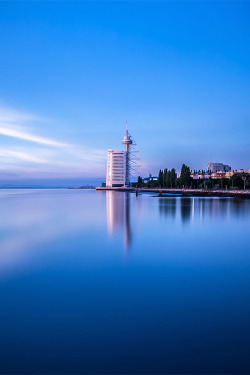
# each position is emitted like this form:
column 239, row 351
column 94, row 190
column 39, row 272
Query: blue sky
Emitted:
column 73, row 72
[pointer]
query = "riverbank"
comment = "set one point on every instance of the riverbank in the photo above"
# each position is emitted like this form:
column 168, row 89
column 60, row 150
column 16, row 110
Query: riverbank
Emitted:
column 183, row 192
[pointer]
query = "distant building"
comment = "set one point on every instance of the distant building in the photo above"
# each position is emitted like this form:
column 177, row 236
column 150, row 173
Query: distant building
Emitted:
column 215, row 171
column 218, row 175
column 240, row 171
column 227, row 168
column 200, row 175
column 146, row 180
column 115, row 169
column 218, row 167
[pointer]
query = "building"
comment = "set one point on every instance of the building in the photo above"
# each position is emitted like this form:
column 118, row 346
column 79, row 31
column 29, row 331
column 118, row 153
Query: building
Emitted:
column 123, row 165
column 115, row 176
column 218, row 175
column 200, row 175
column 240, row 171
column 218, row 167
column 146, row 180
column 217, row 171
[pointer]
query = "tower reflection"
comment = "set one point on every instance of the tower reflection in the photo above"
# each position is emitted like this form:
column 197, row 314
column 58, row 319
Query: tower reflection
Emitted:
column 118, row 215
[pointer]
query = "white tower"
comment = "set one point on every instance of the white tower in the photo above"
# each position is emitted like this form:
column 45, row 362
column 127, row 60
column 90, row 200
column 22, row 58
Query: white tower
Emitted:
column 127, row 141
column 123, row 165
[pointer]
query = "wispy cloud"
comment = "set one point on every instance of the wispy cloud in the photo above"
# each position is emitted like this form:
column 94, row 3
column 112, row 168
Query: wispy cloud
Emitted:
column 18, row 132
column 13, row 123
column 41, row 153
column 22, row 156
column 13, row 115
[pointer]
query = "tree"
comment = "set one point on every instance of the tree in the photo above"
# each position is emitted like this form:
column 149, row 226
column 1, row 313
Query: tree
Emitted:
column 185, row 178
column 236, row 181
column 248, row 183
column 160, row 178
column 172, row 177
column 152, row 184
column 165, row 175
column 139, row 180
column 224, row 182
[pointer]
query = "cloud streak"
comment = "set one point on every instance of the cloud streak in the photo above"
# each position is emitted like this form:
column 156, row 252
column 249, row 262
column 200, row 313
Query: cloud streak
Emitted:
column 17, row 132
column 33, row 153
column 23, row 156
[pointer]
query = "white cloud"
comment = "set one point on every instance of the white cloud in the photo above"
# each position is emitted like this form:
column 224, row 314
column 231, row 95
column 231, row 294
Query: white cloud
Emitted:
column 13, row 115
column 12, row 125
column 21, row 155
column 19, row 132
column 53, row 155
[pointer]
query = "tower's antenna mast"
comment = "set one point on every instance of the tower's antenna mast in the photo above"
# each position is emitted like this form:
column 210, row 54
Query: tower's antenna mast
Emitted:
column 132, row 157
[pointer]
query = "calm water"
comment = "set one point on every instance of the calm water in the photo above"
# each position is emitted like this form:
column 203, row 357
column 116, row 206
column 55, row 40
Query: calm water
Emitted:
column 48, row 183
column 107, row 282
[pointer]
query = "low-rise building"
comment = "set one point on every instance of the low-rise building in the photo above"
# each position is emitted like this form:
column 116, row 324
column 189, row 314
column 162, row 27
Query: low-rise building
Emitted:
column 146, row 180
column 218, row 175
column 200, row 175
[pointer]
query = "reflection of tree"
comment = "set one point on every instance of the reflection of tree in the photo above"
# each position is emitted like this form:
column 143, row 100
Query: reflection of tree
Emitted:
column 224, row 207
column 186, row 209
column 190, row 207
column 118, row 214
column 167, row 206
column 239, row 206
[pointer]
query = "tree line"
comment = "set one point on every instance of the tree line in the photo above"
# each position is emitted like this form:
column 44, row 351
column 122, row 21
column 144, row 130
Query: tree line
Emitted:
column 167, row 178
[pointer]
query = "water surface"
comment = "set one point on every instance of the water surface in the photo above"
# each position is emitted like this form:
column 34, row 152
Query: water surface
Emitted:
column 107, row 282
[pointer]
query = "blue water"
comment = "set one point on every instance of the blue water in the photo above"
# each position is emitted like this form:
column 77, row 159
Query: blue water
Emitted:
column 49, row 183
column 110, row 283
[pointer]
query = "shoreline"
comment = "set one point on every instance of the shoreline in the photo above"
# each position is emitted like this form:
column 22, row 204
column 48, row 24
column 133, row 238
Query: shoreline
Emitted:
column 182, row 192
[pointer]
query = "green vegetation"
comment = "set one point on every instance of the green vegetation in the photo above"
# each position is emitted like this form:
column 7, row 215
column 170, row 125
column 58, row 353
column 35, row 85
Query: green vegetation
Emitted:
column 185, row 179
column 167, row 179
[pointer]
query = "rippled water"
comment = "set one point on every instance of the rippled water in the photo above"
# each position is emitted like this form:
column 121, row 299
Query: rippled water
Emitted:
column 107, row 282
